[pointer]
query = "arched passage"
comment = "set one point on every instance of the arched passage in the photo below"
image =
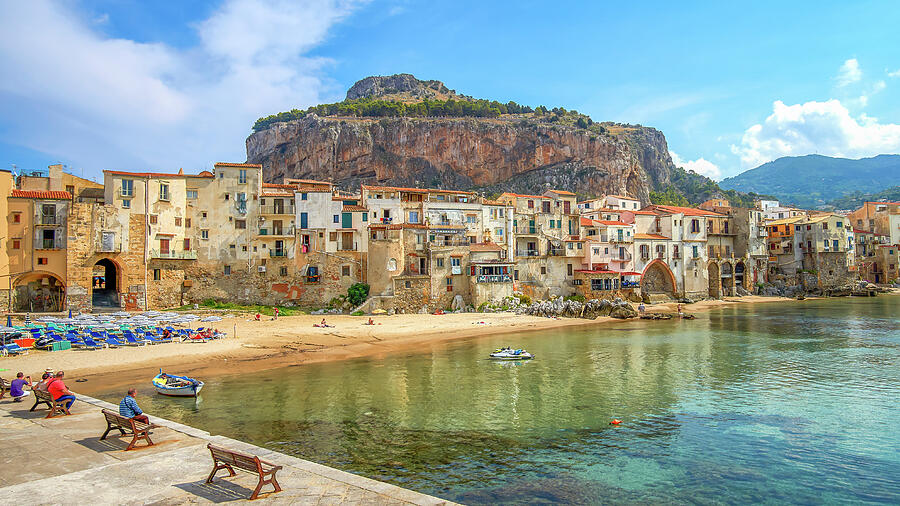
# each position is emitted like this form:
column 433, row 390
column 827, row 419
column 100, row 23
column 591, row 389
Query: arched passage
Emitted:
column 105, row 283
column 727, row 279
column 38, row 292
column 740, row 279
column 657, row 278
column 712, row 271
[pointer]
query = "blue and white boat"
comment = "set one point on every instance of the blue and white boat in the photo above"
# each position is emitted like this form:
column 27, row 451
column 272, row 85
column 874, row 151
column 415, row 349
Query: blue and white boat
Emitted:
column 176, row 386
column 511, row 354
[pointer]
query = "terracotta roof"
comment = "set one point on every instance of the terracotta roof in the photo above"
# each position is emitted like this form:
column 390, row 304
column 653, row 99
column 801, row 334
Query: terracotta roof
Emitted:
column 307, row 181
column 524, row 196
column 351, row 209
column 275, row 185
column 488, row 202
column 561, row 192
column 227, row 164
column 608, row 222
column 650, row 236
column 587, row 222
column 643, row 212
column 41, row 194
column 485, row 246
column 622, row 197
column 394, row 188
column 595, row 271
column 205, row 174
column 276, row 194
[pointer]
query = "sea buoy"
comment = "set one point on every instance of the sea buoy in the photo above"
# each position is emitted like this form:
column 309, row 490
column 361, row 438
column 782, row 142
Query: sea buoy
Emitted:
column 615, row 421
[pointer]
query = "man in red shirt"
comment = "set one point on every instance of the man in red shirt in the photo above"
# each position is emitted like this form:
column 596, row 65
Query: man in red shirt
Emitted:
column 58, row 390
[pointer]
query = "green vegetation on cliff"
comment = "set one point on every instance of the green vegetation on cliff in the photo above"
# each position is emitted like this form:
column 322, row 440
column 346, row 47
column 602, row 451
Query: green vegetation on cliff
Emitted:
column 377, row 108
column 689, row 188
column 856, row 199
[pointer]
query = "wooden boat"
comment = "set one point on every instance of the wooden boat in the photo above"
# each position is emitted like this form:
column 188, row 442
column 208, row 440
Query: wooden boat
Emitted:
column 176, row 386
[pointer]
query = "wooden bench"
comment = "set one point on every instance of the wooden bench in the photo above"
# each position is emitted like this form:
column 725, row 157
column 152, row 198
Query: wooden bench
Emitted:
column 4, row 387
column 224, row 458
column 138, row 429
column 56, row 407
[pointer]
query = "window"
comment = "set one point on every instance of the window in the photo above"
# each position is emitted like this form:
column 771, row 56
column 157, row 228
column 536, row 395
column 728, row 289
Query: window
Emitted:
column 17, row 218
column 596, row 285
column 695, row 226
column 127, row 188
column 825, row 226
column 222, row 175
column 336, row 218
column 449, row 283
column 244, row 248
column 157, row 275
column 204, row 234
column 187, row 244
column 516, row 274
column 712, row 251
column 42, row 261
column 227, row 196
column 227, row 270
column 407, row 284
column 240, row 224
column 543, row 269
column 242, row 176
column 164, row 191
column 178, row 221
column 303, row 196
column 499, row 232
column 530, row 204
column 283, row 271
column 203, row 215
column 454, row 262
column 187, row 223
column 191, row 194
column 345, row 270
column 569, row 269
column 16, row 244
column 414, row 216
column 727, row 250
column 470, row 218
column 153, row 219
column 834, row 244
column 840, row 224
column 332, row 236
column 440, row 262
column 365, row 217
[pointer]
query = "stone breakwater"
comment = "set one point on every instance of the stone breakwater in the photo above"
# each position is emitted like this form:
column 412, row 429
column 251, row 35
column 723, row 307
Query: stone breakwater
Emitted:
column 590, row 309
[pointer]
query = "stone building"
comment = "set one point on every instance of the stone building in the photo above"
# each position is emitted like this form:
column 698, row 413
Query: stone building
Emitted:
column 878, row 217
column 826, row 243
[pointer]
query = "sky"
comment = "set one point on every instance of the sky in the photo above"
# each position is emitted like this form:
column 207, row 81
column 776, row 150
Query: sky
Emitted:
column 163, row 85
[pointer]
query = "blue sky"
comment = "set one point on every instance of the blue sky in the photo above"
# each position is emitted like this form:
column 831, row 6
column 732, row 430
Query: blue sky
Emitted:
column 167, row 84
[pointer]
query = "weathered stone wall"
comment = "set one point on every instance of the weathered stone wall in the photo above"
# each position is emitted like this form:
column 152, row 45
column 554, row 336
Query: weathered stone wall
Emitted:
column 413, row 298
column 830, row 269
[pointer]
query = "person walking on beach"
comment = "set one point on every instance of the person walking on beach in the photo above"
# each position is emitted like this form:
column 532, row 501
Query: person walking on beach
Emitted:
column 642, row 308
column 276, row 313
column 17, row 387
column 59, row 392
column 129, row 408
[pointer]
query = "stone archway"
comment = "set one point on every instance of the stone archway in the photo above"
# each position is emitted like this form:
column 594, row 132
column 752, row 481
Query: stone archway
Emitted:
column 727, row 279
column 657, row 279
column 712, row 271
column 106, row 277
column 38, row 292
column 740, row 275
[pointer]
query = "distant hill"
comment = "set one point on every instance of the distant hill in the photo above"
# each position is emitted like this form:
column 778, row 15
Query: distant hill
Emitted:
column 856, row 199
column 814, row 180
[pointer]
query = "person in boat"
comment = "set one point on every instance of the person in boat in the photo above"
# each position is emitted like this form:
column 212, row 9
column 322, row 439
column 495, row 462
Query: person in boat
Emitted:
column 58, row 391
column 129, row 408
column 17, row 387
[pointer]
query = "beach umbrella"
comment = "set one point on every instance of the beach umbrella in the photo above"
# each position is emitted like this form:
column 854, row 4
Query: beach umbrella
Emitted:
column 8, row 321
column 70, row 314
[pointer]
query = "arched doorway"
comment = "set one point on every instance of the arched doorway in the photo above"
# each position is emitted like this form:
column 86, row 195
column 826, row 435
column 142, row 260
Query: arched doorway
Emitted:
column 657, row 279
column 38, row 292
column 712, row 271
column 727, row 279
column 739, row 275
column 105, row 284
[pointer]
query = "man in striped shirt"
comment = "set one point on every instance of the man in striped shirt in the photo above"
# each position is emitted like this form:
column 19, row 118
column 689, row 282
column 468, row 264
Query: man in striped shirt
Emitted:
column 129, row 407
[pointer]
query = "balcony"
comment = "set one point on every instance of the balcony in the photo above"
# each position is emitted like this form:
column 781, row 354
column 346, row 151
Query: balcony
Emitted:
column 557, row 252
column 527, row 253
column 494, row 278
column 277, row 210
column 173, row 255
column 527, row 230
column 277, row 232
column 347, row 247
column 452, row 242
column 278, row 253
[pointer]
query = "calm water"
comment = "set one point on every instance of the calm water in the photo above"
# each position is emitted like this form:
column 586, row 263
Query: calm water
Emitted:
column 794, row 402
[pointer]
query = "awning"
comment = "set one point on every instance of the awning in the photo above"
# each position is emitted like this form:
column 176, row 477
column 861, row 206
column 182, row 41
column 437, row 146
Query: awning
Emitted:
column 631, row 273
column 446, row 230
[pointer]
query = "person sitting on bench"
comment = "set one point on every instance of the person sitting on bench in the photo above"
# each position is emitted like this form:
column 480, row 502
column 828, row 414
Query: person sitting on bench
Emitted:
column 46, row 378
column 59, row 392
column 17, row 387
column 129, row 407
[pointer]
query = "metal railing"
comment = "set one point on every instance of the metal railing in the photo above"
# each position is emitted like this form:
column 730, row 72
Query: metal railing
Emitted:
column 276, row 209
column 494, row 278
column 347, row 247
column 528, row 230
column 276, row 253
column 277, row 232
column 174, row 255
column 527, row 253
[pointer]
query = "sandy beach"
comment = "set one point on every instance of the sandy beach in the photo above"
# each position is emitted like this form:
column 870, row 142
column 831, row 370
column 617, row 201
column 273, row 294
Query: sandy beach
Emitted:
column 268, row 344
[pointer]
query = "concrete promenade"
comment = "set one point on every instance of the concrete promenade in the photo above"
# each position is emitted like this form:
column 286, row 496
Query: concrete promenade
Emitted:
column 63, row 461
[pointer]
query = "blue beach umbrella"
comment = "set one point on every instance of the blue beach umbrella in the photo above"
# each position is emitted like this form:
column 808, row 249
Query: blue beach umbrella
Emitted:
column 8, row 321
column 70, row 313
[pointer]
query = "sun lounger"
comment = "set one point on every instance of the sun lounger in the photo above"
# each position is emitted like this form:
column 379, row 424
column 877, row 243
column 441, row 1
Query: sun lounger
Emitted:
column 115, row 343
column 130, row 339
column 14, row 349
column 90, row 344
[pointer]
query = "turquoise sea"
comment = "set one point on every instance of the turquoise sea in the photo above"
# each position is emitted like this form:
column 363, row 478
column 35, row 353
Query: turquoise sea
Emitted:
column 795, row 402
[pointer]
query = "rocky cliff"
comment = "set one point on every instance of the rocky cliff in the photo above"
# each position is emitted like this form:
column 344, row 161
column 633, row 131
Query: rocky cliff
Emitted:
column 513, row 152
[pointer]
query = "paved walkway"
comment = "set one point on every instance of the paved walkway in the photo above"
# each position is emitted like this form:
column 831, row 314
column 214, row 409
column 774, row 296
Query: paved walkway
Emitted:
column 62, row 461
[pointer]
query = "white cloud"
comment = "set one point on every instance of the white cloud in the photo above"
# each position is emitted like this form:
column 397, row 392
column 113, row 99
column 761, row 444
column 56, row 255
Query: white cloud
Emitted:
column 825, row 128
column 105, row 103
column 700, row 166
column 895, row 73
column 849, row 73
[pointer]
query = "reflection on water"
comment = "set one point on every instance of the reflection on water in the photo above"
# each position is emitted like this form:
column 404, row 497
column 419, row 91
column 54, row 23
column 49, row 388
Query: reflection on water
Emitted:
column 774, row 402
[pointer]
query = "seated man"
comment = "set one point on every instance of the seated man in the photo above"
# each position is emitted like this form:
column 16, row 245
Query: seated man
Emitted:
column 17, row 387
column 129, row 407
column 46, row 378
column 59, row 392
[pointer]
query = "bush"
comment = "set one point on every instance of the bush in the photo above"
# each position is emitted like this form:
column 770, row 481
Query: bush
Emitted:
column 523, row 299
column 357, row 313
column 576, row 297
column 358, row 293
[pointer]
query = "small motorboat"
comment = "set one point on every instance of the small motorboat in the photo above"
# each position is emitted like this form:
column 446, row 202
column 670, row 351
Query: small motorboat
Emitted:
column 511, row 354
column 176, row 386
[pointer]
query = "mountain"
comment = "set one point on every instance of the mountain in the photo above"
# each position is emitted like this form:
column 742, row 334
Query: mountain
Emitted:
column 401, row 131
column 814, row 180
column 856, row 199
